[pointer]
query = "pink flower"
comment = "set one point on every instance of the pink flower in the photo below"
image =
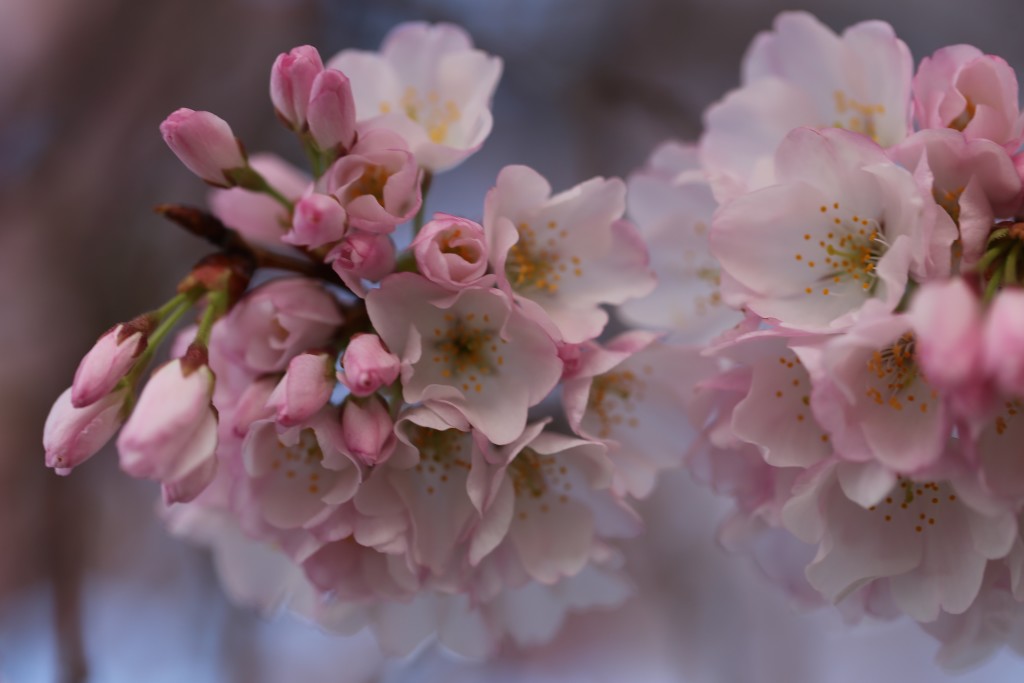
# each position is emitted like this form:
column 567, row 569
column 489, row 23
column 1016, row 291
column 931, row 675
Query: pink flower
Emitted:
column 108, row 362
column 1004, row 340
column 367, row 365
column 469, row 355
column 452, row 252
column 803, row 74
column 319, row 220
column 633, row 395
column 377, row 183
column 305, row 388
column 362, row 256
column 73, row 435
column 204, row 143
column 564, row 256
column 368, row 430
column 277, row 321
column 842, row 228
column 256, row 215
column 429, row 85
column 930, row 540
column 172, row 432
column 331, row 113
column 962, row 88
column 671, row 204
column 975, row 181
column 291, row 83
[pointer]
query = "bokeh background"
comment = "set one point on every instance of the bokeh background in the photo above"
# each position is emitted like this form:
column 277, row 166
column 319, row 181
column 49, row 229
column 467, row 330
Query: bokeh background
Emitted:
column 91, row 588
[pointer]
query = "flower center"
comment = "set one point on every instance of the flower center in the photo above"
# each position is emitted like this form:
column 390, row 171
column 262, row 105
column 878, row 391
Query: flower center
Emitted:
column 467, row 352
column 856, row 116
column 915, row 504
column 849, row 251
column 451, row 242
column 435, row 116
column 894, row 370
column 305, row 455
column 534, row 476
column 613, row 399
column 535, row 264
column 441, row 452
column 370, row 183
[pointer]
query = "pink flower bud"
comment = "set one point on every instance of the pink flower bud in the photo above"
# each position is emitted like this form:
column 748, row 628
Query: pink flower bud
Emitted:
column 332, row 111
column 105, row 364
column 363, row 255
column 186, row 489
column 367, row 365
column 291, row 82
column 319, row 219
column 368, row 430
column 305, row 388
column 173, row 430
column 1004, row 339
column 73, row 435
column 204, row 143
column 451, row 251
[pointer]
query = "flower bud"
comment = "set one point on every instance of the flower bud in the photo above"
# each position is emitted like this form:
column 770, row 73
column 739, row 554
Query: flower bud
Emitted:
column 363, row 255
column 451, row 251
column 1004, row 339
column 173, row 430
column 291, row 82
column 368, row 430
column 204, row 143
column 106, row 363
column 73, row 435
column 186, row 489
column 332, row 111
column 319, row 219
column 367, row 365
column 305, row 388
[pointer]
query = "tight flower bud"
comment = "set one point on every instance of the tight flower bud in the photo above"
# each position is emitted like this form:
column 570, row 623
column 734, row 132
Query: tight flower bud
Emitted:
column 73, row 435
column 367, row 365
column 451, row 251
column 204, row 143
column 368, row 430
column 173, row 430
column 332, row 111
column 291, row 82
column 364, row 255
column 106, row 363
column 319, row 220
column 305, row 388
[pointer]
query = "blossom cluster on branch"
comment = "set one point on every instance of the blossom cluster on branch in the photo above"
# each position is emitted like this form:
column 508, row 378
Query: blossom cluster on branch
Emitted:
column 851, row 235
column 384, row 418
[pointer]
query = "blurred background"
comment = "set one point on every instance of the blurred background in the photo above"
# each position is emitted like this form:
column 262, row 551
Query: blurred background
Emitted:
column 91, row 587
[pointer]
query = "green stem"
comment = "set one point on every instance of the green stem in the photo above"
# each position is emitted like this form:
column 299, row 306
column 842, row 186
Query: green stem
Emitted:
column 216, row 307
column 993, row 285
column 1010, row 265
column 417, row 222
column 167, row 323
column 990, row 257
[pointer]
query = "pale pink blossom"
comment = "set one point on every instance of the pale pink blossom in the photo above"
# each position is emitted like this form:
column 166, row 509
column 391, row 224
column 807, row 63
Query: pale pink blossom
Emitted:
column 452, row 252
column 367, row 366
column 428, row 84
column 368, row 430
column 469, row 355
column 301, row 474
column 73, row 435
column 962, row 88
column 377, row 183
column 108, row 361
column 205, row 144
column 931, row 540
column 331, row 113
column 255, row 215
column 671, row 203
column 305, row 388
column 841, row 229
column 561, row 257
column 975, row 181
column 291, row 83
column 277, row 321
column 803, row 74
column 633, row 395
column 319, row 220
column 172, row 431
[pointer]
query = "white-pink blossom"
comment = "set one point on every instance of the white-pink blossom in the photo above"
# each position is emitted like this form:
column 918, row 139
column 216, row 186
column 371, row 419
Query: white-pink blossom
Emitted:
column 452, row 252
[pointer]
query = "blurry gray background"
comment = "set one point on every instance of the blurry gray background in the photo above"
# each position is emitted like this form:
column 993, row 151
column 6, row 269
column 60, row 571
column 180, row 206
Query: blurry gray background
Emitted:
column 90, row 587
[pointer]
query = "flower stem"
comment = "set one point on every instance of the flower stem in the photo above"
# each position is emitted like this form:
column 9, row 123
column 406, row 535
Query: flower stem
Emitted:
column 417, row 222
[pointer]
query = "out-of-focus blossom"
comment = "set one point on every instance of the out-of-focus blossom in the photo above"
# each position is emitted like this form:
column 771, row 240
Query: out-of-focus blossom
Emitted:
column 305, row 388
column 368, row 430
column 73, row 435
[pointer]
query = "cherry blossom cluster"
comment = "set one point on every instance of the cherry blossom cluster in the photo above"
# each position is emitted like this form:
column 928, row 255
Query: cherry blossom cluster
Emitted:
column 845, row 242
column 382, row 418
